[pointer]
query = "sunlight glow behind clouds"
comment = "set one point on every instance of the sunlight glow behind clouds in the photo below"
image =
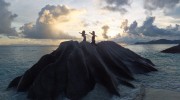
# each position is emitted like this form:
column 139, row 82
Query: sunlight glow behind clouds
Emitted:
column 53, row 24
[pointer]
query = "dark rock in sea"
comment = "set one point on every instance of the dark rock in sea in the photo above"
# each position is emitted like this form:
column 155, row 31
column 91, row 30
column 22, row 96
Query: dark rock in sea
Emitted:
column 74, row 68
column 175, row 49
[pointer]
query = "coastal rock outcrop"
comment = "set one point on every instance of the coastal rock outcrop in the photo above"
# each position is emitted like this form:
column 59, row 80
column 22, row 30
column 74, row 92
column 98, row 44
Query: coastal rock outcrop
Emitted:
column 74, row 68
column 175, row 49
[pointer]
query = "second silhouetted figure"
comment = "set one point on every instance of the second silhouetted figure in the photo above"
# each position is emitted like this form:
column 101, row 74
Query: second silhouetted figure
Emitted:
column 93, row 37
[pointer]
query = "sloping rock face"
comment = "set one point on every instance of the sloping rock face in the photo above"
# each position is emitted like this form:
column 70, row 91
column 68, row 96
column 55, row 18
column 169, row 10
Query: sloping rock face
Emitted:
column 175, row 49
column 74, row 68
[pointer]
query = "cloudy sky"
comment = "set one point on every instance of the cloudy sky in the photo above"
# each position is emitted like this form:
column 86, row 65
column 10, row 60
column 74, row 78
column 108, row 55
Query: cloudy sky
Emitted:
column 49, row 22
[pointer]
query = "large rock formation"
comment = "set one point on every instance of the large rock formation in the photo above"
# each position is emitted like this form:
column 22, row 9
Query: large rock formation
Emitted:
column 74, row 68
column 175, row 49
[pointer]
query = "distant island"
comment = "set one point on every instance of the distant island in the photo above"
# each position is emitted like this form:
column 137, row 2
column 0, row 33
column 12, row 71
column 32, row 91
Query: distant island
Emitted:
column 160, row 41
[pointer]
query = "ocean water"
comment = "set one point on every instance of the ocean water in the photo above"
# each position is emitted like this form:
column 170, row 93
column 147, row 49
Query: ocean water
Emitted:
column 15, row 60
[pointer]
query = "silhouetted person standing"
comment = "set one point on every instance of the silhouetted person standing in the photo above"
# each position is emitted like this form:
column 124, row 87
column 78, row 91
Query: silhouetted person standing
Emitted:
column 93, row 37
column 83, row 35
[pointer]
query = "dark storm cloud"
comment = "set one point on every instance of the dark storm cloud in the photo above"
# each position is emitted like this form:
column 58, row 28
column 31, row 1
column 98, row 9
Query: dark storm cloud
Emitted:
column 148, row 31
column 116, row 5
column 173, row 12
column 105, row 29
column 151, row 30
column 148, row 22
column 175, row 28
column 151, row 5
column 133, row 27
column 48, row 17
column 121, row 10
column 124, row 25
column 6, row 18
